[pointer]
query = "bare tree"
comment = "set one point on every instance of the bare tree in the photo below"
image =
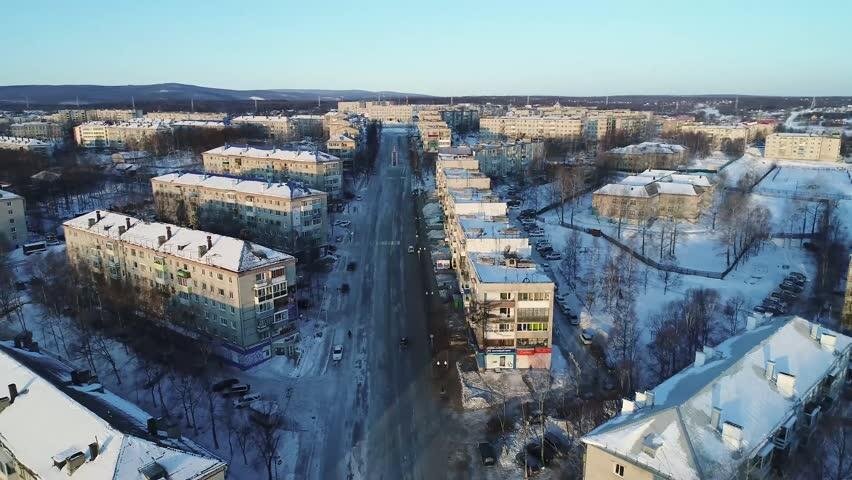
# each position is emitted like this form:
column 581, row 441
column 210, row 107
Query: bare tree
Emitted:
column 266, row 435
column 732, row 310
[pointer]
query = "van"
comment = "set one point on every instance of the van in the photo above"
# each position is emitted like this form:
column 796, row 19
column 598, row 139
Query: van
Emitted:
column 246, row 400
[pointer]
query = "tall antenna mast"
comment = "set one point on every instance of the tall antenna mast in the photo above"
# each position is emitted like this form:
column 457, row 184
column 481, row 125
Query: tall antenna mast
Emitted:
column 28, row 102
column 255, row 105
column 192, row 103
column 318, row 101
column 133, row 101
column 813, row 102
column 78, row 101
column 736, row 104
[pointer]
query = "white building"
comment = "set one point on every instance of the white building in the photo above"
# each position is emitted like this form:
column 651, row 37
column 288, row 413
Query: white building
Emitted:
column 51, row 431
column 753, row 397
column 13, row 222
column 276, row 126
column 26, row 145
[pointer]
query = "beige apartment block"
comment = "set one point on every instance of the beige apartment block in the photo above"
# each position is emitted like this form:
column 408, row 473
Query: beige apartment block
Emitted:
column 276, row 126
column 803, row 146
column 237, row 291
column 719, row 133
column 510, row 308
column 456, row 157
column 472, row 201
column 316, row 169
column 341, row 145
column 66, row 117
column 307, row 126
column 389, row 112
column 739, row 411
column 459, row 178
column 509, row 157
column 100, row 134
column 112, row 115
column 532, row 127
column 284, row 215
column 434, row 135
column 13, row 221
column 180, row 116
column 647, row 155
column 654, row 194
column 599, row 124
column 26, row 145
column 38, row 130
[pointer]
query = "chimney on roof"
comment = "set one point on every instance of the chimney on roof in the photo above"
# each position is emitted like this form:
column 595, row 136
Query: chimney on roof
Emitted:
column 13, row 393
column 168, row 231
column 202, row 249
column 641, row 399
column 91, row 222
column 152, row 426
column 98, row 215
column 121, row 229
column 815, row 331
column 699, row 359
column 127, row 222
column 627, row 406
column 94, row 449
column 715, row 418
column 649, row 398
column 828, row 341
column 751, row 323
column 732, row 435
column 209, row 242
column 4, row 402
column 786, row 383
column 161, row 240
column 770, row 370
column 75, row 461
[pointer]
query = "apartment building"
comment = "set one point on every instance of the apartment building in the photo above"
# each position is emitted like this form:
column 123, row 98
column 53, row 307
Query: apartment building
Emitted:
column 599, row 124
column 13, row 221
column 463, row 154
column 112, row 115
column 434, row 135
column 53, row 430
column 510, row 307
column 237, row 291
column 341, row 145
column 739, row 411
column 191, row 116
column 461, row 118
column 803, row 146
column 382, row 110
column 66, row 117
column 316, row 169
column 471, row 201
column 38, row 130
column 482, row 233
column 647, row 155
column 196, row 124
column 508, row 157
column 99, row 134
column 26, row 145
column 459, row 178
column 719, row 133
column 846, row 318
column 285, row 215
column 531, row 127
column 653, row 194
column 307, row 126
column 277, row 126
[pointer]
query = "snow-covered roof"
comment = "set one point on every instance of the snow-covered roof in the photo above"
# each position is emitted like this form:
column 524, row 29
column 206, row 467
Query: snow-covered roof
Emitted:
column 198, row 123
column 287, row 190
column 670, row 188
column 462, row 173
column 492, row 268
column 623, row 190
column 313, row 156
column 638, row 180
column 488, row 227
column 8, row 195
column 23, row 141
column 732, row 379
column 225, row 252
column 50, row 421
column 455, row 152
column 259, row 119
column 649, row 148
column 830, row 135
column 473, row 195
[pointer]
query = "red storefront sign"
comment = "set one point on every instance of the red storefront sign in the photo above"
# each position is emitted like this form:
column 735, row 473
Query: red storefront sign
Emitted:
column 543, row 349
column 525, row 351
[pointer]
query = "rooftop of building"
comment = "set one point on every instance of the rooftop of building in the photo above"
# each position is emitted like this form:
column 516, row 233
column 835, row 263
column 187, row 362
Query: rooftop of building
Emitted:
column 23, row 141
column 289, row 190
column 462, row 173
column 34, row 122
column 649, row 148
column 462, row 151
column 51, row 420
column 473, row 195
column 312, row 155
column 198, row 123
column 481, row 226
column 8, row 195
column 820, row 135
column 501, row 268
column 260, row 118
column 732, row 378
column 219, row 251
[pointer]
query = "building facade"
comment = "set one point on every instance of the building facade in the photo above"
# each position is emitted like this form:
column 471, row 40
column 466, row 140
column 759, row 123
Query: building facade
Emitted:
column 654, row 194
column 803, row 146
column 38, row 130
column 519, row 127
column 277, row 127
column 100, row 134
column 508, row 158
column 738, row 412
column 13, row 220
column 26, row 145
column 316, row 169
column 647, row 155
column 284, row 215
column 112, row 115
column 193, row 116
column 240, row 293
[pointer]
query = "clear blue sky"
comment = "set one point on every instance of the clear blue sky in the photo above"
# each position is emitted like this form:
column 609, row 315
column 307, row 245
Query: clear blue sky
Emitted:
column 437, row 47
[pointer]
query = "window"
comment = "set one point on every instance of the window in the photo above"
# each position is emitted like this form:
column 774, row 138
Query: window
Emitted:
column 505, row 296
column 618, row 469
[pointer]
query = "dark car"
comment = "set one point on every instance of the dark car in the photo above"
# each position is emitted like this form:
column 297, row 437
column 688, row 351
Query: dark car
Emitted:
column 487, row 454
column 237, row 390
column 351, row 266
column 534, row 449
column 223, row 384
column 533, row 465
column 557, row 444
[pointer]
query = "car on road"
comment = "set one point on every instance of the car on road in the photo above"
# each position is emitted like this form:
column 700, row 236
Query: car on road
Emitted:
column 759, row 309
column 536, row 232
column 514, row 203
column 527, row 212
column 553, row 256
column 487, row 454
column 223, row 384
column 246, row 400
column 528, row 221
column 800, row 276
column 237, row 390
column 343, row 223
column 561, row 297
column 351, row 266
column 587, row 336
column 337, row 353
column 411, row 249
column 786, row 285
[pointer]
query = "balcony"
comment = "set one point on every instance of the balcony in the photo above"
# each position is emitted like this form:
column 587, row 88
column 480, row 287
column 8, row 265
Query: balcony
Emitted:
column 181, row 273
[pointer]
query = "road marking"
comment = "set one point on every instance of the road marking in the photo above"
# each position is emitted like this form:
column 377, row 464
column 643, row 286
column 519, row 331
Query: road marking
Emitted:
column 389, row 243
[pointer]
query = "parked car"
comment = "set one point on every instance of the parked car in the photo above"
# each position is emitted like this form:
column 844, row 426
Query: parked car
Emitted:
column 223, row 384
column 536, row 232
column 785, row 285
column 351, row 266
column 573, row 319
column 337, row 353
column 553, row 256
column 246, row 400
column 759, row 309
column 342, row 223
column 543, row 243
column 527, row 212
column 411, row 249
column 799, row 276
column 487, row 454
column 561, row 298
column 237, row 390
column 527, row 220
column 587, row 336
column 564, row 307
column 544, row 250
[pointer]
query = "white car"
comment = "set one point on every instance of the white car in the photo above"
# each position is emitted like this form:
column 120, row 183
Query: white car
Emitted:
column 553, row 256
column 337, row 353
column 246, row 400
column 528, row 221
column 343, row 223
column 586, row 336
column 538, row 232
column 561, row 298
column 411, row 249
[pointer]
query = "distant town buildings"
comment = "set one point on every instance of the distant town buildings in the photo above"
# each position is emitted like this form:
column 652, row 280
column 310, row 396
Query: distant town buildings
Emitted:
column 502, row 158
column 13, row 222
column 739, row 411
column 653, row 194
column 567, row 123
column 647, row 155
column 277, row 127
column 192, row 116
column 38, row 130
column 518, row 127
column 434, row 134
column 803, row 146
column 76, row 429
column 237, row 291
column 112, row 115
column 741, row 132
column 26, row 145
column 316, row 169
column 341, row 145
column 288, row 215
column 100, row 134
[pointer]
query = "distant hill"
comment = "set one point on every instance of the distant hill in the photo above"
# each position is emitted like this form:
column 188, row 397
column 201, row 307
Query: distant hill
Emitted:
column 105, row 94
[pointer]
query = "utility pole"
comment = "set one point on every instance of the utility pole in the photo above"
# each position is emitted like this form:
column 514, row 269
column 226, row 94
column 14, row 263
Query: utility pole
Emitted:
column 133, row 102
column 318, row 101
column 736, row 104
column 27, row 99
column 255, row 105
